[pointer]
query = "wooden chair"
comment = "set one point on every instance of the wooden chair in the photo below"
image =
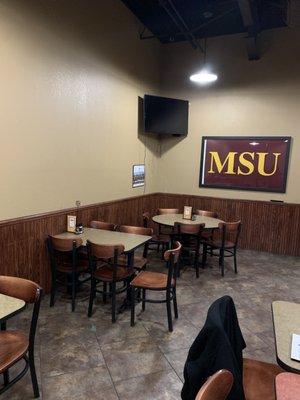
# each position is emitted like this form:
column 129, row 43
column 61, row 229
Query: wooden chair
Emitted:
column 66, row 261
column 139, row 262
column 15, row 345
column 164, row 230
column 208, row 233
column 217, row 387
column 189, row 235
column 157, row 281
column 157, row 240
column 106, row 226
column 109, row 272
column 226, row 246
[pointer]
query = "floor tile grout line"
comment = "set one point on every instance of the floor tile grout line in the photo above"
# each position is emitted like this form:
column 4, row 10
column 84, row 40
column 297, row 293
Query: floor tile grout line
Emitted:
column 113, row 383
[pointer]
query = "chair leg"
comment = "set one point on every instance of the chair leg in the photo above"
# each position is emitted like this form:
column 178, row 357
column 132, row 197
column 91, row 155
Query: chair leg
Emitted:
column 175, row 303
column 73, row 291
column 113, row 302
column 6, row 377
column 33, row 374
column 53, row 290
column 92, row 297
column 169, row 312
column 132, row 303
column 221, row 261
column 104, row 292
column 204, row 255
column 196, row 263
column 143, row 299
column 234, row 260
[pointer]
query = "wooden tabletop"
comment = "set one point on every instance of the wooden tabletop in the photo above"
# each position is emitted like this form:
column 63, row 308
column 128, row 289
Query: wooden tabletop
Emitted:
column 286, row 321
column 170, row 219
column 9, row 306
column 99, row 236
column 287, row 386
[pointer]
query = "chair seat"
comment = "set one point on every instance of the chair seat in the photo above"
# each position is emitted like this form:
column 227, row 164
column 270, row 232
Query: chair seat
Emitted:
column 13, row 346
column 207, row 234
column 218, row 244
column 151, row 280
column 160, row 239
column 259, row 379
column 105, row 273
column 138, row 262
column 66, row 268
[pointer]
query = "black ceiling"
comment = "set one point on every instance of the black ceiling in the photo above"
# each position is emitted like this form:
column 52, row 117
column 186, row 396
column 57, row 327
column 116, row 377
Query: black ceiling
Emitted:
column 177, row 20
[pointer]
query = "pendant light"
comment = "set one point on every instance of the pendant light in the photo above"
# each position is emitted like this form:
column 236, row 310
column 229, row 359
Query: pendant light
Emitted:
column 204, row 76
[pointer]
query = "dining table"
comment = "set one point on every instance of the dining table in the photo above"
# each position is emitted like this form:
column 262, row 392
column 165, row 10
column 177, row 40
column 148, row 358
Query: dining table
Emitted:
column 130, row 241
column 286, row 321
column 9, row 307
column 171, row 219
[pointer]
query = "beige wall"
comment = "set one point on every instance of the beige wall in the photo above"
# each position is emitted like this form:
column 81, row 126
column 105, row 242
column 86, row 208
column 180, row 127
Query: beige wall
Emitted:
column 70, row 76
column 250, row 98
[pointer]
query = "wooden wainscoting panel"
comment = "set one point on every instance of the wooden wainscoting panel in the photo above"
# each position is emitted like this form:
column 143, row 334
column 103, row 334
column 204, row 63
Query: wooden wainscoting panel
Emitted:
column 271, row 227
column 23, row 251
column 266, row 226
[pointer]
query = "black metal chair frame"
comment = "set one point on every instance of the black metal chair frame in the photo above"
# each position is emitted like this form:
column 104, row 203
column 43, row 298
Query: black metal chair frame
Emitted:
column 222, row 251
column 113, row 290
column 29, row 359
column 155, row 244
column 170, row 294
column 184, row 239
column 73, row 280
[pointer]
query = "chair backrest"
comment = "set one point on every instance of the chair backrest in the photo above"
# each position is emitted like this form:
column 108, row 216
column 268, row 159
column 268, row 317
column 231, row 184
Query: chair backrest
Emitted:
column 106, row 226
column 137, row 230
column 188, row 229
column 161, row 211
column 172, row 257
column 25, row 290
column 205, row 213
column 230, row 230
column 108, row 253
column 217, row 387
column 64, row 245
column 104, row 251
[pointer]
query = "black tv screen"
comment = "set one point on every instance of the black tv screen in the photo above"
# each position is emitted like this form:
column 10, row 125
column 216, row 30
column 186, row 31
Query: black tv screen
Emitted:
column 165, row 116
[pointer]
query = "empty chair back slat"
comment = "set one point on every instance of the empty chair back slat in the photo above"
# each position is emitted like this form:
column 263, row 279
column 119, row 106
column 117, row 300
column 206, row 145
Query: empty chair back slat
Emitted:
column 230, row 230
column 107, row 226
column 20, row 288
column 204, row 213
column 217, row 387
column 162, row 211
column 61, row 244
column 137, row 230
column 104, row 251
column 188, row 229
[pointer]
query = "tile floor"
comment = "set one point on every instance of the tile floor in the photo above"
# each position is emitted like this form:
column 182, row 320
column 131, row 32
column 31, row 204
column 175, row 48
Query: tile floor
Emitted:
column 80, row 358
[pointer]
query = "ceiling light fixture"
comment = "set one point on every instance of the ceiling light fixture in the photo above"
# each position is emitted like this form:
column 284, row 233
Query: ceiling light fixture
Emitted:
column 204, row 76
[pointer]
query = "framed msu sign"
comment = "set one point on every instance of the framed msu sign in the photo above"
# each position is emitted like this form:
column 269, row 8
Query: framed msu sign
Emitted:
column 245, row 162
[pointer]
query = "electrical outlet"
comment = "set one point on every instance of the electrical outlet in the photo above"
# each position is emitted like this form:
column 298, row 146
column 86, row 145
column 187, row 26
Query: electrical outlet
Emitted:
column 78, row 203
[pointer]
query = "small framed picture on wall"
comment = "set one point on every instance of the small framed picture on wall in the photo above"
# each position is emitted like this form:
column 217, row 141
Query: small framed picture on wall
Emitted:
column 138, row 175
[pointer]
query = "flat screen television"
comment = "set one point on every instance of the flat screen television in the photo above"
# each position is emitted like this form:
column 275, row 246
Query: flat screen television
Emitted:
column 165, row 116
